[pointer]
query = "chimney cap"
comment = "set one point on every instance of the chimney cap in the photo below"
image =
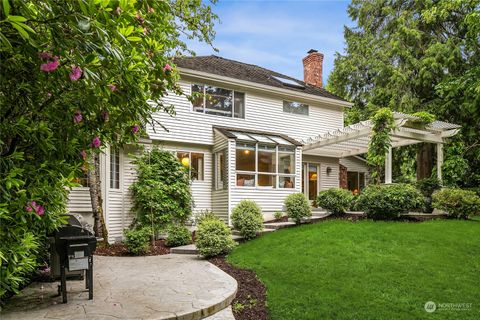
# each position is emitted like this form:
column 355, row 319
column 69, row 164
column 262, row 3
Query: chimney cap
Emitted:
column 312, row 51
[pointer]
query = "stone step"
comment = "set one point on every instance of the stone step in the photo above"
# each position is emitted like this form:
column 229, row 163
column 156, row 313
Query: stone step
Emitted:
column 237, row 237
column 187, row 249
column 278, row 225
column 264, row 231
column 225, row 314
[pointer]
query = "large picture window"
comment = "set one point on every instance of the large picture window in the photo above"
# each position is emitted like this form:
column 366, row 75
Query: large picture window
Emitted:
column 114, row 169
column 218, row 101
column 265, row 165
column 194, row 162
column 295, row 107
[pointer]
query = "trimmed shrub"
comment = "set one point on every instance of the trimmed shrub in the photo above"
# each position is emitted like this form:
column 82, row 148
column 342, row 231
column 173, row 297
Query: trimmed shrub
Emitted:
column 213, row 237
column 297, row 207
column 456, row 202
column 278, row 215
column 247, row 218
column 335, row 200
column 388, row 201
column 137, row 240
column 203, row 214
column 178, row 235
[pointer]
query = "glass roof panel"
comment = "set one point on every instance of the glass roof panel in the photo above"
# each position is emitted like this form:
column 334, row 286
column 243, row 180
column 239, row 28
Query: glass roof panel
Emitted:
column 288, row 82
column 262, row 138
column 243, row 136
column 280, row 140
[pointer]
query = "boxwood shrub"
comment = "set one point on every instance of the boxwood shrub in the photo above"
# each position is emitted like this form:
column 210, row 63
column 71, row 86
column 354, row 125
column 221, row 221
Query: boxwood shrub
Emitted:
column 388, row 201
column 456, row 202
column 137, row 240
column 247, row 218
column 297, row 207
column 213, row 237
column 335, row 200
column 178, row 235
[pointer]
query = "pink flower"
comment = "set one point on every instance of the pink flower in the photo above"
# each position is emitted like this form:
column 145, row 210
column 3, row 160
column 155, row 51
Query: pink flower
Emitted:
column 76, row 73
column 167, row 68
column 135, row 129
column 83, row 154
column 96, row 142
column 77, row 116
column 112, row 87
column 28, row 208
column 40, row 210
column 50, row 66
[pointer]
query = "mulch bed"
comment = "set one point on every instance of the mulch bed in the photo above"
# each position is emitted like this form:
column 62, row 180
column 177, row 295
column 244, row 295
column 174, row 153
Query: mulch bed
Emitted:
column 250, row 301
column 120, row 250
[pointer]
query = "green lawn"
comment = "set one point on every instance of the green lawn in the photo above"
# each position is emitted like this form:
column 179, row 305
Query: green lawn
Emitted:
column 367, row 270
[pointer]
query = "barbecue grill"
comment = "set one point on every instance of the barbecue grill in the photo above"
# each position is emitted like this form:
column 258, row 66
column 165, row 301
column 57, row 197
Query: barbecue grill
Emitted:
column 75, row 246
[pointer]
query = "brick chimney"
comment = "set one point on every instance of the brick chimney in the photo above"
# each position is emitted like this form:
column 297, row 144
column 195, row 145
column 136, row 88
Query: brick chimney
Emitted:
column 313, row 68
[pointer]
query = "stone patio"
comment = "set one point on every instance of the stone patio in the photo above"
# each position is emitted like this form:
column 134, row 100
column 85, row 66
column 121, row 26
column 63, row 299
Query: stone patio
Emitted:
column 154, row 287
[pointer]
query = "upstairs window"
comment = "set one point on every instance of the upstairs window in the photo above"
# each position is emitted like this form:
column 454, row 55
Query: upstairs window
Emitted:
column 218, row 101
column 295, row 107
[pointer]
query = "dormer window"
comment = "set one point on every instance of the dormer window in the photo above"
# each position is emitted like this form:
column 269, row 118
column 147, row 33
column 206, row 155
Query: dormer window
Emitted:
column 218, row 101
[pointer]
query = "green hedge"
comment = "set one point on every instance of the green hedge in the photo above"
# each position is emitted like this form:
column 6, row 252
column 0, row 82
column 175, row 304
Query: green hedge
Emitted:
column 137, row 240
column 297, row 207
column 178, row 235
column 456, row 202
column 213, row 237
column 247, row 218
column 335, row 200
column 388, row 201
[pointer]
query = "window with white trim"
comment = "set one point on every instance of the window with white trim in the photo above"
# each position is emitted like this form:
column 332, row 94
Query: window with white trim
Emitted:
column 265, row 165
column 114, row 168
column 194, row 161
column 295, row 107
column 218, row 101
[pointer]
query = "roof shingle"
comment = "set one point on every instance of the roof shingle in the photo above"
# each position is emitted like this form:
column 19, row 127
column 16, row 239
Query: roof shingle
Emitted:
column 248, row 72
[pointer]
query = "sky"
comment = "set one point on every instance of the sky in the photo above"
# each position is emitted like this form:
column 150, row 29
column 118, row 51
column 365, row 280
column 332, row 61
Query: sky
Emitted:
column 277, row 34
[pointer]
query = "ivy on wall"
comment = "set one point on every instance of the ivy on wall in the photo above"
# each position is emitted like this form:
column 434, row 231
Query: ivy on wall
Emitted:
column 380, row 142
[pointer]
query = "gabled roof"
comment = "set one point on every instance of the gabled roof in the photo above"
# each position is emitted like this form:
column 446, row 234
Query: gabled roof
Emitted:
column 249, row 72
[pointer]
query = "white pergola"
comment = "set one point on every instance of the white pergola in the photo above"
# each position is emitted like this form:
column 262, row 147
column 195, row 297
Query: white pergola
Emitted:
column 354, row 139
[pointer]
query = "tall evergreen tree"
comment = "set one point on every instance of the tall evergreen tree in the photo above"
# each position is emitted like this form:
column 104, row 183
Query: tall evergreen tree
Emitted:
column 411, row 55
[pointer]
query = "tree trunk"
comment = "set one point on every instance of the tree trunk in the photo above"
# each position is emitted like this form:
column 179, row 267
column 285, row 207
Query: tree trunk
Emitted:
column 94, row 182
column 424, row 160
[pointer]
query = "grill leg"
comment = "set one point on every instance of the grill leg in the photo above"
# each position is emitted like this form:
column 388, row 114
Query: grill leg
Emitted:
column 90, row 277
column 86, row 278
column 63, row 283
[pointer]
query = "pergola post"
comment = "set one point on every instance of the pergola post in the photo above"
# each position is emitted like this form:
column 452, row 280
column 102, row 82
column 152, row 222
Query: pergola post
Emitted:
column 388, row 166
column 439, row 160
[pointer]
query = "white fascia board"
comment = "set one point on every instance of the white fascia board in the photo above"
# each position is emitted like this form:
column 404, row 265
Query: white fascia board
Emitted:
column 262, row 88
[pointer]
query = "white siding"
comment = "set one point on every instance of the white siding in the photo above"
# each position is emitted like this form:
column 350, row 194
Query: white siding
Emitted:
column 354, row 164
column 220, row 197
column 327, row 181
column 119, row 201
column 79, row 202
column 261, row 113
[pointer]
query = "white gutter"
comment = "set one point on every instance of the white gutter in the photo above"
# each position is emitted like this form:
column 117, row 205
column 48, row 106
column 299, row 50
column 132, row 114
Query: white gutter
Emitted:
column 262, row 87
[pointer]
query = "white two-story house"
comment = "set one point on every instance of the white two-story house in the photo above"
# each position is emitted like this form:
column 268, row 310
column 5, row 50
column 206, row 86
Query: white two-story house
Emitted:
column 242, row 138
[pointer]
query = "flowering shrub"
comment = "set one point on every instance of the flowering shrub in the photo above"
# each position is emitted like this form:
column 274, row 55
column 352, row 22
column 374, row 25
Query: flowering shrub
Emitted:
column 76, row 76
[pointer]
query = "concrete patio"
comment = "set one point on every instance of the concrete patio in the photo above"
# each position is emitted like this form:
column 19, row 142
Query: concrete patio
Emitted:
column 154, row 287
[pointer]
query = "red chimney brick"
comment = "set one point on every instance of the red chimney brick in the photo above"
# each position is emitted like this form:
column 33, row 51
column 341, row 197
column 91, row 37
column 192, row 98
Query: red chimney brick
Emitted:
column 313, row 68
